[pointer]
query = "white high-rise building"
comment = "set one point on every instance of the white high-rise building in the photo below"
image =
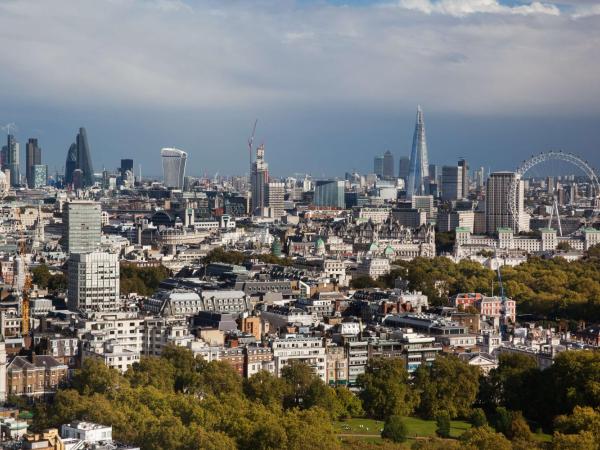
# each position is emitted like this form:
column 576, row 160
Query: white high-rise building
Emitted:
column 275, row 194
column 93, row 282
column 82, row 221
column 501, row 211
column 173, row 161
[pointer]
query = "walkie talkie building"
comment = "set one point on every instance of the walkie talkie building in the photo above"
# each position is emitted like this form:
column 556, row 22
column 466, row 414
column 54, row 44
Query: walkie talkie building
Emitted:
column 173, row 161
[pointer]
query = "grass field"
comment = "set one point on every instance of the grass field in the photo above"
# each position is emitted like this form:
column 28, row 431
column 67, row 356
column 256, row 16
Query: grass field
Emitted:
column 416, row 427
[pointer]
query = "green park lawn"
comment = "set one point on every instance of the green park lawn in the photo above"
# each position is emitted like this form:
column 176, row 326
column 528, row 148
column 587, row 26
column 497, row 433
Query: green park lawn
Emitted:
column 416, row 427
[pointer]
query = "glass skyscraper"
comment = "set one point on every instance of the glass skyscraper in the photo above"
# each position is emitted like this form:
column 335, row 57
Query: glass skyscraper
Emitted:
column 79, row 157
column 173, row 161
column 329, row 193
column 419, row 165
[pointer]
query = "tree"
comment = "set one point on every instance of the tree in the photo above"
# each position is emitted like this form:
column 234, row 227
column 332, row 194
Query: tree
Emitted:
column 325, row 397
column 478, row 418
column 267, row 389
column 575, row 379
column 97, row 377
column 385, row 389
column 365, row 282
column 298, row 376
column 350, row 403
column 583, row 418
column 448, row 384
column 584, row 440
column 519, row 429
column 502, row 420
column 40, row 276
column 395, row 429
column 484, row 438
column 151, row 371
column 442, row 421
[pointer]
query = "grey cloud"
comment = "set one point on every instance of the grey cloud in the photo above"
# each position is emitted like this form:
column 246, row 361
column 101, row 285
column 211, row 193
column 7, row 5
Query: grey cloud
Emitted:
column 230, row 55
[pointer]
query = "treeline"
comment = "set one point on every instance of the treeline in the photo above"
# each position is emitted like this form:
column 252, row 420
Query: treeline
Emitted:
column 141, row 280
column 234, row 257
column 41, row 276
column 550, row 288
column 181, row 402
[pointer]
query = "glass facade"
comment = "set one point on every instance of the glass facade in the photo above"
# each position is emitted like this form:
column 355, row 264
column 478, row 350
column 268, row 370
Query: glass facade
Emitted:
column 419, row 165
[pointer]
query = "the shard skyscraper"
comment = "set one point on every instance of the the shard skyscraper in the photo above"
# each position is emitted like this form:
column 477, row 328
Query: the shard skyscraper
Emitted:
column 419, row 164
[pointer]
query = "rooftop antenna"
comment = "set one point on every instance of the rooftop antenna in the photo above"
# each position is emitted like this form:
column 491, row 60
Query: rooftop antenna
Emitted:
column 251, row 141
column 8, row 126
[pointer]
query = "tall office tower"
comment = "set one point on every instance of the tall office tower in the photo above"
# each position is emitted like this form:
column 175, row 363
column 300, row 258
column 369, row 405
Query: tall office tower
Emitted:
column 84, row 159
column 275, row 193
column 33, row 156
column 259, row 177
column 126, row 164
column 378, row 166
column 550, row 185
column 39, row 173
column 93, row 283
column 480, row 177
column 70, row 164
column 419, row 166
column 12, row 160
column 388, row 165
column 82, row 223
column 329, row 193
column 403, row 168
column 452, row 180
column 499, row 205
column 423, row 203
column 78, row 157
column 465, row 177
column 173, row 161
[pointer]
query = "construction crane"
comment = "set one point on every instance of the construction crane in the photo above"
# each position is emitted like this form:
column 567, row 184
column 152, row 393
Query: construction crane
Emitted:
column 502, row 298
column 22, row 252
column 251, row 141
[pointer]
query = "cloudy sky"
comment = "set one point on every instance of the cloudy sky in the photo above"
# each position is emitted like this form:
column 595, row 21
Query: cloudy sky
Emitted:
column 332, row 83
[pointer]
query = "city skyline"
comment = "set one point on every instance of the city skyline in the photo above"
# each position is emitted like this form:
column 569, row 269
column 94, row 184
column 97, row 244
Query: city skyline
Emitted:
column 494, row 86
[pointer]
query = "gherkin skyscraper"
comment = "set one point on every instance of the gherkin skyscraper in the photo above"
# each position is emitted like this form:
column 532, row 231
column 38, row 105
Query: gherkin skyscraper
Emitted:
column 78, row 157
column 419, row 164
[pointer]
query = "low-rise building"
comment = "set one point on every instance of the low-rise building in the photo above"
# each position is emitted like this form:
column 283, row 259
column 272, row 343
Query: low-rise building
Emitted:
column 35, row 378
column 306, row 349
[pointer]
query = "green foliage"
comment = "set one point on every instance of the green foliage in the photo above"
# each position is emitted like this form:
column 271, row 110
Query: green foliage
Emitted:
column 553, row 288
column 365, row 282
column 299, row 377
column 519, row 385
column 385, row 389
column 581, row 441
column 583, row 418
column 478, row 417
column 484, row 438
column 228, row 257
column 439, row 390
column 267, row 389
column 239, row 258
column 180, row 402
column 141, row 280
column 351, row 406
column 41, row 276
column 442, row 421
column 395, row 429
column 444, row 241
